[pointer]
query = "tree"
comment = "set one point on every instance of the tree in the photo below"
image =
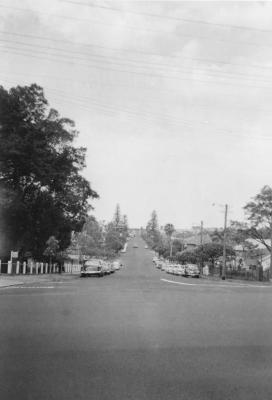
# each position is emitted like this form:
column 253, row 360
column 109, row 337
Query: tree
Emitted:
column 94, row 230
column 187, row 256
column 44, row 193
column 117, row 216
column 153, row 235
column 212, row 251
column 113, row 240
column 52, row 248
column 125, row 227
column 169, row 230
column 259, row 212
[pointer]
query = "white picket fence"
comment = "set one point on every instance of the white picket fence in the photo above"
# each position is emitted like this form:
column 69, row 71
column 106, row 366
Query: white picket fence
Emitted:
column 32, row 268
column 72, row 268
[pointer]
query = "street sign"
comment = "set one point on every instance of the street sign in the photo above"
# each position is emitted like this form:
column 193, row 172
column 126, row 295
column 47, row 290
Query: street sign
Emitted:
column 13, row 254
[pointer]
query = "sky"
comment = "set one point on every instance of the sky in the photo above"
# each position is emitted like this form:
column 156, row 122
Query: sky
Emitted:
column 171, row 99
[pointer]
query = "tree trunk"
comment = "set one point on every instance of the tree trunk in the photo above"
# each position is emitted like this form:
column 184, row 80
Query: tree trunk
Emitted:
column 270, row 272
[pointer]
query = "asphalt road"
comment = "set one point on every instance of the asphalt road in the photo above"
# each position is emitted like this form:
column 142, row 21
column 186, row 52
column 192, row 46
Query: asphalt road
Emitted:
column 132, row 336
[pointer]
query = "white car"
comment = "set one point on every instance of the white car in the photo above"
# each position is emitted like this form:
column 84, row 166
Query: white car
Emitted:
column 106, row 267
column 116, row 265
column 180, row 270
column 192, row 270
column 164, row 265
column 170, row 270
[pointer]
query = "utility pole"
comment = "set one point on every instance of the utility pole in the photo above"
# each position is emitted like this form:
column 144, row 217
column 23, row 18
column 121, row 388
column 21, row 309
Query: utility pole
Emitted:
column 224, row 243
column 201, row 244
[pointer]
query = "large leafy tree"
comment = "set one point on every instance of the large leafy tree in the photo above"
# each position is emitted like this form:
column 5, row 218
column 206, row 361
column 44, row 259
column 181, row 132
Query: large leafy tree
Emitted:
column 153, row 235
column 116, row 231
column 43, row 193
column 90, row 241
column 212, row 251
column 259, row 212
column 113, row 239
column 169, row 229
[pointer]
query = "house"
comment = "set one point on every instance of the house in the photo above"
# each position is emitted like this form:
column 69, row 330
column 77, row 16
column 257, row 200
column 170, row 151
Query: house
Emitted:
column 258, row 255
column 193, row 241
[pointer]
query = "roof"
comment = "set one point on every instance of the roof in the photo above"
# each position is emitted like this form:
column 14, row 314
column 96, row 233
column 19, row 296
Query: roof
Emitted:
column 258, row 244
column 196, row 239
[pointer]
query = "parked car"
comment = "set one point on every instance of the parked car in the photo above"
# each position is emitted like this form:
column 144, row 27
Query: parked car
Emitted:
column 106, row 267
column 164, row 265
column 135, row 246
column 180, row 270
column 175, row 268
column 170, row 270
column 92, row 268
column 116, row 265
column 146, row 247
column 160, row 264
column 192, row 270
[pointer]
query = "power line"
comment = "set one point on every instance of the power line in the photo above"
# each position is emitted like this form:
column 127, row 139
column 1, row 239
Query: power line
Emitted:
column 88, row 83
column 220, row 74
column 216, row 39
column 188, row 20
column 149, row 116
column 65, row 59
column 169, row 118
column 86, row 20
column 136, row 51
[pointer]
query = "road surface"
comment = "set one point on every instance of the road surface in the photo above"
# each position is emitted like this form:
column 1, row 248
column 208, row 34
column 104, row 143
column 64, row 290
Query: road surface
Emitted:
column 133, row 336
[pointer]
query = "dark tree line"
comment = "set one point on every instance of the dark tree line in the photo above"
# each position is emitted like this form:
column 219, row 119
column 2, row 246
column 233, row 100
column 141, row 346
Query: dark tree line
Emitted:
column 43, row 193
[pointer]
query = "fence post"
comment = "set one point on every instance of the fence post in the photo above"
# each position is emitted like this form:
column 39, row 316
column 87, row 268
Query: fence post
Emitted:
column 46, row 268
column 9, row 267
column 54, row 268
column 37, row 267
column 31, row 268
column 24, row 267
column 41, row 268
column 17, row 267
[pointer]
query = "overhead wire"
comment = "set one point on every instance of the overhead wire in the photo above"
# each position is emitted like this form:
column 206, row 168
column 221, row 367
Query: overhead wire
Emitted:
column 169, row 17
column 147, row 116
column 92, row 84
column 216, row 39
column 136, row 51
column 67, row 61
column 142, row 64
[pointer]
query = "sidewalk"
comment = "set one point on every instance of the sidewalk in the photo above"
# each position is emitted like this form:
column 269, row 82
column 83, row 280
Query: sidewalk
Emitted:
column 13, row 280
column 219, row 280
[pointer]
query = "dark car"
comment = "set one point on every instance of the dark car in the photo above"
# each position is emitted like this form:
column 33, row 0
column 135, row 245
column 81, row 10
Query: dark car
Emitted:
column 91, row 269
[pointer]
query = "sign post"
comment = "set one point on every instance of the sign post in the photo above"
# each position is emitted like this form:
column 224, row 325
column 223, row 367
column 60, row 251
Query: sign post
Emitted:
column 13, row 254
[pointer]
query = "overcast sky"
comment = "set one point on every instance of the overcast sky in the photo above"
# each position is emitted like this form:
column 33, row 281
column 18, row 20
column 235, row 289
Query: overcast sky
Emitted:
column 172, row 99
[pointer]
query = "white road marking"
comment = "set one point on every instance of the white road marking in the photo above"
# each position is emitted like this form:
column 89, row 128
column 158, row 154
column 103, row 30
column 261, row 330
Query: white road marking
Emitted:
column 28, row 287
column 219, row 285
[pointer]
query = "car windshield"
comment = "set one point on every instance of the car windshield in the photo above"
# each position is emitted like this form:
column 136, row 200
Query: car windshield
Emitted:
column 93, row 268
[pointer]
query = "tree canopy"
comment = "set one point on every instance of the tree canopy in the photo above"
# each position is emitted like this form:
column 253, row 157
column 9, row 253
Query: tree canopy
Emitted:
column 152, row 232
column 43, row 193
column 259, row 212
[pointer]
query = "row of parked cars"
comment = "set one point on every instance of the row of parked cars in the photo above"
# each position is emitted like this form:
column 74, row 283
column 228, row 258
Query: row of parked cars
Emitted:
column 99, row 268
column 187, row 270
